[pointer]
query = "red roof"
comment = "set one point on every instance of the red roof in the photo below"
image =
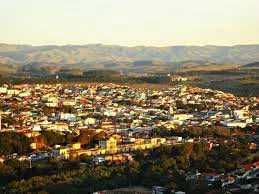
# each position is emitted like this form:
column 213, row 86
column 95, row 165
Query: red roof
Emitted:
column 256, row 163
column 248, row 166
column 210, row 174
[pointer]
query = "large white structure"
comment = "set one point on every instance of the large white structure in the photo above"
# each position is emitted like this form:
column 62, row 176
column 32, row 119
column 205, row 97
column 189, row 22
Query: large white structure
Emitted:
column 234, row 123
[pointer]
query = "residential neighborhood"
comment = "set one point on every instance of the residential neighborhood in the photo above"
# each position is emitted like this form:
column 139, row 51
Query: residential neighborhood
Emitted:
column 111, row 123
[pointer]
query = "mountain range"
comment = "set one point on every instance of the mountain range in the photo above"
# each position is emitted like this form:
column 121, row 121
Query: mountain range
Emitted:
column 110, row 54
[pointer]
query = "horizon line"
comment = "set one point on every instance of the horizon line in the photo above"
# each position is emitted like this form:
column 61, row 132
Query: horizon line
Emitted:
column 178, row 45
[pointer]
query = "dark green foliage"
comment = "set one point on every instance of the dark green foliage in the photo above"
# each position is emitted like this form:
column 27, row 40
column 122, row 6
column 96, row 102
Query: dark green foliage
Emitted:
column 52, row 137
column 8, row 120
column 5, row 170
column 164, row 165
column 12, row 142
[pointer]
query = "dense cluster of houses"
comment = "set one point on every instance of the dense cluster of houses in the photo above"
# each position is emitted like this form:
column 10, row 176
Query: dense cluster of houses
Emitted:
column 127, row 114
column 242, row 180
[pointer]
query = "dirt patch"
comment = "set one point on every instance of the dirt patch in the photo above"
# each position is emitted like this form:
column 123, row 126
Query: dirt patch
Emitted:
column 132, row 190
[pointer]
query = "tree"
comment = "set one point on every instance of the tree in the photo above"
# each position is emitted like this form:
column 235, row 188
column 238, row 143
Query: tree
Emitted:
column 86, row 136
column 54, row 162
column 85, row 158
column 13, row 142
column 5, row 169
column 133, row 170
column 168, row 164
column 188, row 147
column 9, row 120
column 52, row 138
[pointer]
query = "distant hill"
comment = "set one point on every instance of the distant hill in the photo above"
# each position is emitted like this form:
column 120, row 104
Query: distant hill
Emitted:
column 38, row 69
column 252, row 65
column 115, row 55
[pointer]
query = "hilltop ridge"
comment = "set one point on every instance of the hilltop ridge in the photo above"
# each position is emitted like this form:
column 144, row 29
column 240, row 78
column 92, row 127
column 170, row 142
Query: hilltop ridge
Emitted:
column 83, row 54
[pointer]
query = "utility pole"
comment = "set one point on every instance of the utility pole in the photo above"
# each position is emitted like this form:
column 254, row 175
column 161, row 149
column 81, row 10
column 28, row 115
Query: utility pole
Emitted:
column 1, row 120
column 30, row 163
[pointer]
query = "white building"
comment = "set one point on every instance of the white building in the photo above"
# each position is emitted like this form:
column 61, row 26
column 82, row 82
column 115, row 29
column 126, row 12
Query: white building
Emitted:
column 36, row 128
column 13, row 92
column 234, row 123
column 3, row 90
column 89, row 121
column 67, row 116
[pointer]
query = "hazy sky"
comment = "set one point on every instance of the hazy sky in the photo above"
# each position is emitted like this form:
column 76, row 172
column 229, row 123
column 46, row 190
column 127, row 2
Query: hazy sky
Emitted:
column 130, row 22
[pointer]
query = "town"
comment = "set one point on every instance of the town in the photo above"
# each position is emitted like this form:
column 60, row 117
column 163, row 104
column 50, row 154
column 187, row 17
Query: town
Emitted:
column 106, row 124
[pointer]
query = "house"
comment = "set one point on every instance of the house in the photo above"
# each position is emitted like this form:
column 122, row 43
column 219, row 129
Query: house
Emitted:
column 239, row 114
column 60, row 152
column 172, row 124
column 117, row 137
column 107, row 125
column 52, row 104
column 177, row 138
column 190, row 140
column 129, row 140
column 75, row 145
column 36, row 128
column 97, row 160
column 33, row 146
column 24, row 94
column 67, row 116
column 234, row 123
column 29, row 133
column 214, row 114
column 158, row 190
column 13, row 92
column 109, row 113
column 89, row 121
column 59, row 126
column 52, row 99
column 109, row 144
column 69, row 102
column 180, row 116
column 155, row 141
column 3, row 90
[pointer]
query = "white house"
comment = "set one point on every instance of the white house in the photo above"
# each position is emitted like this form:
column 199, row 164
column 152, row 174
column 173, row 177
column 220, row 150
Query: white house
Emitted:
column 3, row 90
column 69, row 102
column 234, row 123
column 89, row 121
column 13, row 92
column 67, row 116
column 52, row 104
column 181, row 116
column 239, row 114
column 36, row 128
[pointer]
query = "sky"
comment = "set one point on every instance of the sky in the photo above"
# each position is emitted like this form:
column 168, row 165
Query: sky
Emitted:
column 129, row 22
